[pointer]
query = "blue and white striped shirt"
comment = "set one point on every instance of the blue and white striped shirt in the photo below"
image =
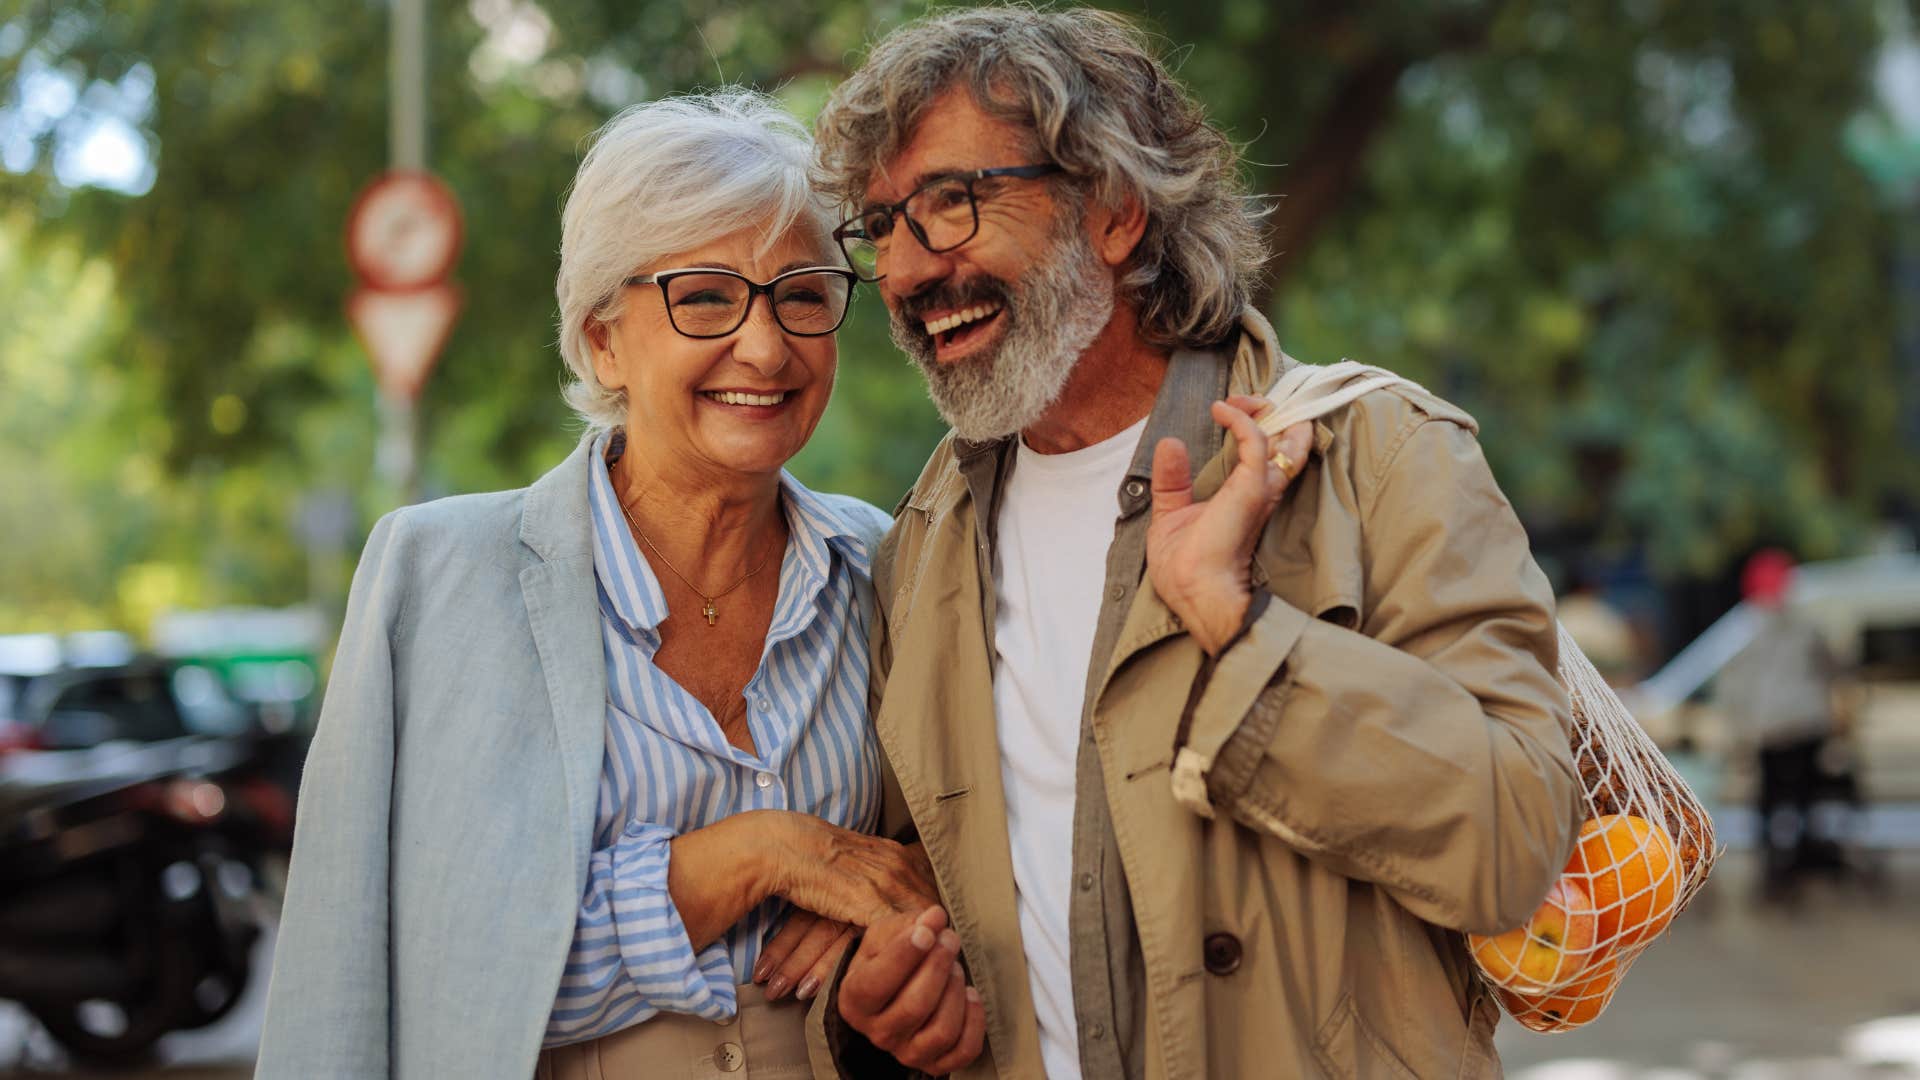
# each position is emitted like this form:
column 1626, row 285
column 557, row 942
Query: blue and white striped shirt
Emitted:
column 669, row 769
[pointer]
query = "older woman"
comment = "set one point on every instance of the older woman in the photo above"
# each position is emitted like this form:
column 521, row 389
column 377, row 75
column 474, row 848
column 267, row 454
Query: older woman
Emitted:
column 586, row 743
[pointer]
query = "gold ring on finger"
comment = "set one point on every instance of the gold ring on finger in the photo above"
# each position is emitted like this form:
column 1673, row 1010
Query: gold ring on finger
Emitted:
column 1285, row 463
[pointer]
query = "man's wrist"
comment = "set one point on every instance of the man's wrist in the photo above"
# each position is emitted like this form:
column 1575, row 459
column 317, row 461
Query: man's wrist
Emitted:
column 1220, row 620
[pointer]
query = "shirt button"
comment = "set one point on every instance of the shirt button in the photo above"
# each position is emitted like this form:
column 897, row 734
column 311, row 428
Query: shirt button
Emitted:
column 729, row 1056
column 1097, row 1032
column 1135, row 489
column 1086, row 882
column 1117, row 591
column 762, row 702
column 763, row 780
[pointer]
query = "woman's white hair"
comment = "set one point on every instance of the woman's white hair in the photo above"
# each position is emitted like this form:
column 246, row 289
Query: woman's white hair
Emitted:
column 668, row 176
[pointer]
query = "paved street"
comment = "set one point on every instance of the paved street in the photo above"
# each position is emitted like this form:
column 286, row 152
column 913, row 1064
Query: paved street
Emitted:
column 1736, row 992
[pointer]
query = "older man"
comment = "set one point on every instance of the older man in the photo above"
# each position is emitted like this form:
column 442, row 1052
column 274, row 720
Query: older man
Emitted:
column 1065, row 251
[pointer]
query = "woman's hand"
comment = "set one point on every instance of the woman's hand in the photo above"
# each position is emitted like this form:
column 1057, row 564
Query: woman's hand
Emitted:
column 802, row 955
column 848, row 876
column 1200, row 554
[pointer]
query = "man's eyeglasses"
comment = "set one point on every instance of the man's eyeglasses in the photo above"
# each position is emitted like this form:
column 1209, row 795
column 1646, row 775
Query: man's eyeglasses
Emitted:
column 942, row 214
column 706, row 302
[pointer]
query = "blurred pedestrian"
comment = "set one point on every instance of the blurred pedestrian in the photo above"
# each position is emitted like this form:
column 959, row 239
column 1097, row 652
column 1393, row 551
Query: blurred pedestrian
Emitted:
column 587, row 744
column 1777, row 695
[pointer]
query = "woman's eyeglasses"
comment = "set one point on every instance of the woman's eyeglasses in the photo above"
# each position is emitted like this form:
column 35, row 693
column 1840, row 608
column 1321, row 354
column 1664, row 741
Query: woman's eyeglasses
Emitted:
column 706, row 302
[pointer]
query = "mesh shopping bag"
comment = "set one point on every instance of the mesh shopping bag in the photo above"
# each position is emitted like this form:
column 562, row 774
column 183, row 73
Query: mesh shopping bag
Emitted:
column 1645, row 847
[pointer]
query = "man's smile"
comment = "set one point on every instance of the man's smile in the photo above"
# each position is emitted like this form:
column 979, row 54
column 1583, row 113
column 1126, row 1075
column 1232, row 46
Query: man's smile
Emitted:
column 964, row 332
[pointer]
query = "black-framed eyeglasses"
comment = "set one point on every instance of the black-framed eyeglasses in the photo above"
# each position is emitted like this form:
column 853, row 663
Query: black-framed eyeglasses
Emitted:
column 708, row 302
column 942, row 214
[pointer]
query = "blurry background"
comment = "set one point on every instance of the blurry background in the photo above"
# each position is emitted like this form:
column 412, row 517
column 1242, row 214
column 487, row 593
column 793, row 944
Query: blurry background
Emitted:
column 1667, row 253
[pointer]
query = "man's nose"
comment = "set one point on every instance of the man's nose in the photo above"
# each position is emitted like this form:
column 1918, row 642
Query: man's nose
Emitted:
column 910, row 267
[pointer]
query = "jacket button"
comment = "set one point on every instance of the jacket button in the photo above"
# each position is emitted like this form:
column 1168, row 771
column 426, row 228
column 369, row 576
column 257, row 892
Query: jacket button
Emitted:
column 1222, row 954
column 730, row 1056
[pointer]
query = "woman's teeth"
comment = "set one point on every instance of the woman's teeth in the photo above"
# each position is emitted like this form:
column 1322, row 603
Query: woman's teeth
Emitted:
column 734, row 397
column 936, row 327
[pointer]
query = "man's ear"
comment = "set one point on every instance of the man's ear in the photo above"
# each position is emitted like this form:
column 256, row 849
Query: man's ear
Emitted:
column 1116, row 230
column 606, row 365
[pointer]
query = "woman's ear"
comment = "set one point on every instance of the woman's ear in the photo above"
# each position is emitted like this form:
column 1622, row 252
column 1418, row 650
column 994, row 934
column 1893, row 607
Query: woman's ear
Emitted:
column 606, row 362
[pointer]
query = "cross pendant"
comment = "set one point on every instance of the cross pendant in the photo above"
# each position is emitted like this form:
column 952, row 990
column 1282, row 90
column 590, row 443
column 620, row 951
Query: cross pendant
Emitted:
column 707, row 609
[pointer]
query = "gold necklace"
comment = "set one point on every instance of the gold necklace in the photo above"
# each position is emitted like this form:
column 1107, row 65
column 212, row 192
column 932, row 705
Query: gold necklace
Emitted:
column 706, row 601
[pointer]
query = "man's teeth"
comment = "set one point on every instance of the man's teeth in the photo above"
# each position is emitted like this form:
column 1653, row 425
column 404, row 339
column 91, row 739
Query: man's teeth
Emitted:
column 734, row 397
column 945, row 323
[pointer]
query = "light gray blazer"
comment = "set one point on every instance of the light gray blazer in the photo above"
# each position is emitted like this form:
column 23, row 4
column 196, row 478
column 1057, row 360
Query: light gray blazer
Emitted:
column 446, row 812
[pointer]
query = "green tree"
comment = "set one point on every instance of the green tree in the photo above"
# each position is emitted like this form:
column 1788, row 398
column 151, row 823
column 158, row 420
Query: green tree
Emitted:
column 1627, row 237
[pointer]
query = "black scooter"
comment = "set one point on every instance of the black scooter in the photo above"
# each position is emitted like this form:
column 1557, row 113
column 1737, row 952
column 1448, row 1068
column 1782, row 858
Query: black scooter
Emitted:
column 127, row 892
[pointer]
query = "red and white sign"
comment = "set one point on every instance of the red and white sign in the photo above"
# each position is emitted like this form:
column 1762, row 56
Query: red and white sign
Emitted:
column 403, row 237
column 403, row 333
column 404, row 231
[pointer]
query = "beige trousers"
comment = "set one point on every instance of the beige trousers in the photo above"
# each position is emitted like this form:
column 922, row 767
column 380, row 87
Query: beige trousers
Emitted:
column 764, row 1041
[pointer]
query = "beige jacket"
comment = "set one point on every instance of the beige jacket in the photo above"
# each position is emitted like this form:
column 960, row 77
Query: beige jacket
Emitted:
column 1388, row 748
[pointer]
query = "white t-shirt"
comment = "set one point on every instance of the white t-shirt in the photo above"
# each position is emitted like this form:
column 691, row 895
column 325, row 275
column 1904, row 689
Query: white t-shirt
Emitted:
column 1056, row 522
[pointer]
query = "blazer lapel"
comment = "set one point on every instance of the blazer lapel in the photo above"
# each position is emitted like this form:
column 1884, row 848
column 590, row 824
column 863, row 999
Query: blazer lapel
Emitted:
column 564, row 613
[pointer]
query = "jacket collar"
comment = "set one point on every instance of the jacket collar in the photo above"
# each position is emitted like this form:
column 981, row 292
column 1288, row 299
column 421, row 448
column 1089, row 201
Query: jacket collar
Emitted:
column 563, row 616
column 557, row 522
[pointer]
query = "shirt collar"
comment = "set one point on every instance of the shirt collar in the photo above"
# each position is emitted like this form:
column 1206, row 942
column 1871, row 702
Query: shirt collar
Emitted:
column 1195, row 379
column 630, row 591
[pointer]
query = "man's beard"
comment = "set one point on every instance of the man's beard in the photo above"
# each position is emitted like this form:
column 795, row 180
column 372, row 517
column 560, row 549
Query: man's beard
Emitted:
column 1053, row 314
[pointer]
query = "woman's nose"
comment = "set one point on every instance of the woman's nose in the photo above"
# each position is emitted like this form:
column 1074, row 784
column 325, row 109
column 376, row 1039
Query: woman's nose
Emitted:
column 760, row 343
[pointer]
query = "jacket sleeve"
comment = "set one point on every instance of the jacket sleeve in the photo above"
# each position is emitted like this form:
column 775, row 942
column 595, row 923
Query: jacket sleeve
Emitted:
column 328, row 1004
column 631, row 957
column 1425, row 751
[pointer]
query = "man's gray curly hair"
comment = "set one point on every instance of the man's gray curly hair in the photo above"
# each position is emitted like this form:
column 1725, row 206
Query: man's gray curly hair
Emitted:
column 1098, row 103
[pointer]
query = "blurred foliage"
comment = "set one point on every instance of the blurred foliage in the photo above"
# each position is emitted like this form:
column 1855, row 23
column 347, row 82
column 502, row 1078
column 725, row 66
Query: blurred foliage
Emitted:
column 1626, row 236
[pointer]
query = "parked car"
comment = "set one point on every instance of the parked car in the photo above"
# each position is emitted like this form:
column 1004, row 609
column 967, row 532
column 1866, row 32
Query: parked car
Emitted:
column 145, row 822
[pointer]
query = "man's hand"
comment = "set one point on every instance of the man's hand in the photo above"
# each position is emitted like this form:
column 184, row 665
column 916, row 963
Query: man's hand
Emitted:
column 1200, row 554
column 905, row 991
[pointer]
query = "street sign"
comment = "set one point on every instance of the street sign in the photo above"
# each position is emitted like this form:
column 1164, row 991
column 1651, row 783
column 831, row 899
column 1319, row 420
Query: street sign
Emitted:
column 404, row 231
column 403, row 333
column 403, row 235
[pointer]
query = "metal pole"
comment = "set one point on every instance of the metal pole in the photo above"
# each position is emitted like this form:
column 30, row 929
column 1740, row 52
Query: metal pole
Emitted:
column 397, row 456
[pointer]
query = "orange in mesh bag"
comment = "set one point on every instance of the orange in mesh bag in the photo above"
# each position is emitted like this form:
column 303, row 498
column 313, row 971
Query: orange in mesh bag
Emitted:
column 1647, row 844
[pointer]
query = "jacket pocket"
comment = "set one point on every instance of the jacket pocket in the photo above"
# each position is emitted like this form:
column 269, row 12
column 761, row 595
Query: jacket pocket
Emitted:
column 1350, row 1050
